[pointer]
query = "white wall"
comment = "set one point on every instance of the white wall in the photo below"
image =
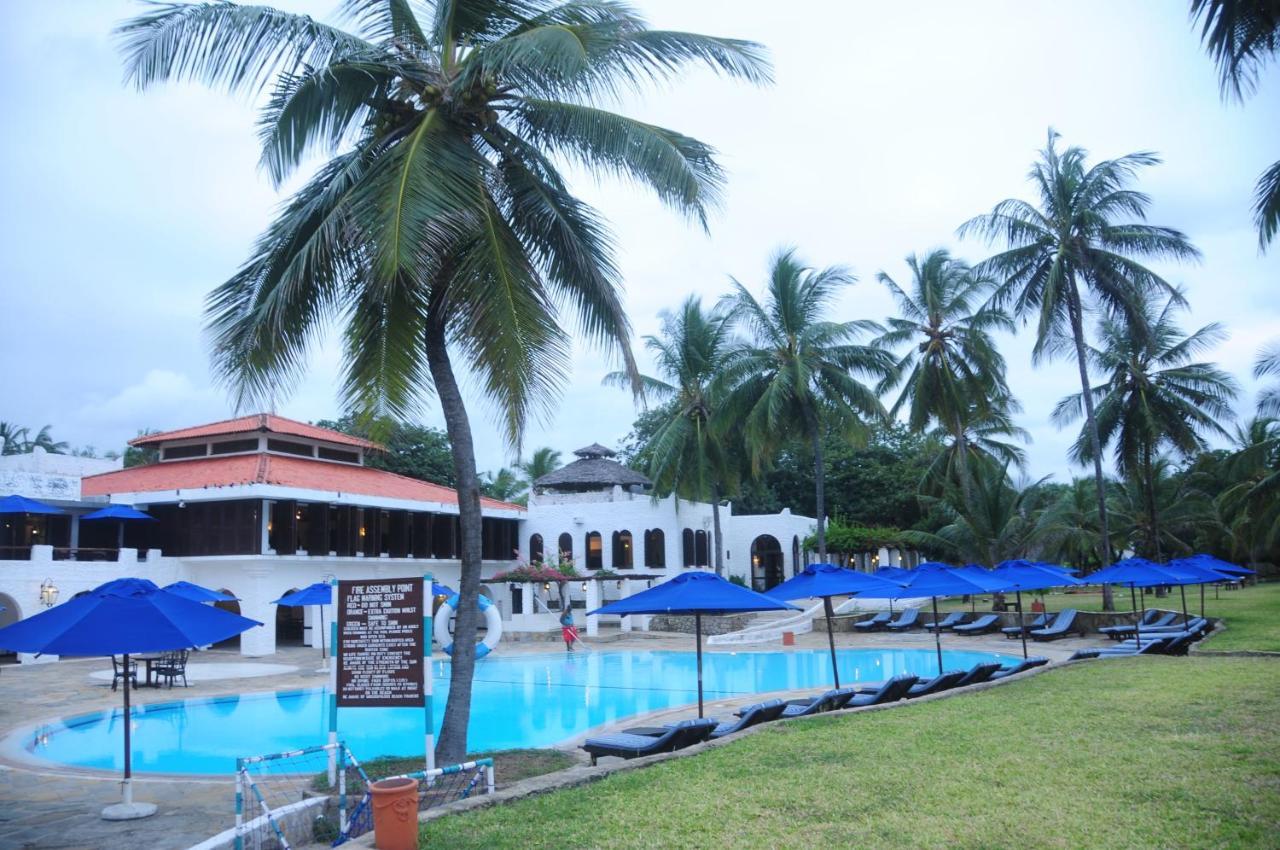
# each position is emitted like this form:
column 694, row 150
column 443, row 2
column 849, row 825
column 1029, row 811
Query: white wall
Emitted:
column 41, row 475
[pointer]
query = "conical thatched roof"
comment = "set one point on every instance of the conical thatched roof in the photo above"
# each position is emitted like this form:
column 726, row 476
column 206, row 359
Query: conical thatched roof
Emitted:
column 595, row 470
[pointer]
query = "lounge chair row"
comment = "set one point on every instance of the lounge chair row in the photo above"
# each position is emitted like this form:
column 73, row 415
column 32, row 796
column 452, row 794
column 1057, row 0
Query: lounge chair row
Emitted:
column 1043, row 627
column 907, row 620
column 1168, row 640
column 650, row 740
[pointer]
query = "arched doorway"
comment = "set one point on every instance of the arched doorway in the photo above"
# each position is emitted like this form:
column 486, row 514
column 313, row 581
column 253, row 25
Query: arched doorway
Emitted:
column 767, row 569
column 290, row 623
column 232, row 605
column 795, row 555
column 10, row 614
column 535, row 548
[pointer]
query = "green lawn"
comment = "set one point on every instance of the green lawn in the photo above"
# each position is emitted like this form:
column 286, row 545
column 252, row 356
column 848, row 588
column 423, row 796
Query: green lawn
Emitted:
column 1143, row 752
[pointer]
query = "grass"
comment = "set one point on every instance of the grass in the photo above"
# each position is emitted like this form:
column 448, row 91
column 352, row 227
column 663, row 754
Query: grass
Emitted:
column 510, row 766
column 1252, row 613
column 1142, row 752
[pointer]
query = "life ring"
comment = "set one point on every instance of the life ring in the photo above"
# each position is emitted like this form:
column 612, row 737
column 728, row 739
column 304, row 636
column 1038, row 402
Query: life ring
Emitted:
column 492, row 622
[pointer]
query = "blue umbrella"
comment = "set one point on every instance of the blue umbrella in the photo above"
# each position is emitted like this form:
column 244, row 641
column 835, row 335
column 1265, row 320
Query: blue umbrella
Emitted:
column 118, row 512
column 1219, row 565
column 1135, row 572
column 121, row 617
column 196, row 593
column 695, row 593
column 320, row 593
column 1020, row 574
column 825, row 581
column 1210, row 569
column 22, row 505
column 441, row 590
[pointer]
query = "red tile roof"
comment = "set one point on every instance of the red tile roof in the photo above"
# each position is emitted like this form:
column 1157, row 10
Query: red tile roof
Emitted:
column 300, row 472
column 257, row 422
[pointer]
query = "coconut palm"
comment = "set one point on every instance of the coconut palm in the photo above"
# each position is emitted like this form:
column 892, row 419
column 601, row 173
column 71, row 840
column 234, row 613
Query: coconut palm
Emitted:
column 1242, row 36
column 951, row 372
column 797, row 376
column 1251, row 503
column 1154, row 397
column 542, row 462
column 1077, row 249
column 504, row 485
column 441, row 227
column 13, row 438
column 1268, row 365
column 982, row 433
column 1160, row 512
column 691, row 453
column 1069, row 525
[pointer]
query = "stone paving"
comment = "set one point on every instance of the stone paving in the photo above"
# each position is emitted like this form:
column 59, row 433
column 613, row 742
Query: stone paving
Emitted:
column 59, row 808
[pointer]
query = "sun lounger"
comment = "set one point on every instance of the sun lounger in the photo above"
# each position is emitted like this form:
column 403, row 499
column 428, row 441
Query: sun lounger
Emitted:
column 936, row 685
column 891, row 691
column 980, row 626
column 1063, row 625
column 978, row 673
column 1025, row 664
column 1015, row 632
column 1156, row 617
column 829, row 701
column 761, row 712
column 878, row 621
column 628, row 745
column 908, row 619
column 1165, row 622
column 955, row 618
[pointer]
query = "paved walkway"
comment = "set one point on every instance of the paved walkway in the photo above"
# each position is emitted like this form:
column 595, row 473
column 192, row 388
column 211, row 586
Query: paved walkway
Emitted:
column 59, row 808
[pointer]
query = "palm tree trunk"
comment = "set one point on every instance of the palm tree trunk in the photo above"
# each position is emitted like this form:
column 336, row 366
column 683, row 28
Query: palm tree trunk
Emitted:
column 715, row 529
column 451, row 746
column 962, row 465
column 1095, row 440
column 1149, row 476
column 820, row 500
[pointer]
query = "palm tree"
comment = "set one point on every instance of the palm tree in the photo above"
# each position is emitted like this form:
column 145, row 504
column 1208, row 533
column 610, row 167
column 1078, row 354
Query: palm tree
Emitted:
column 1075, row 248
column 1153, row 398
column 441, row 226
column 1242, row 36
column 691, row 453
column 1160, row 513
column 44, row 440
column 504, row 485
column 797, row 376
column 1069, row 525
column 983, row 433
column 13, row 438
column 1251, row 503
column 543, row 461
column 1268, row 364
column 951, row 372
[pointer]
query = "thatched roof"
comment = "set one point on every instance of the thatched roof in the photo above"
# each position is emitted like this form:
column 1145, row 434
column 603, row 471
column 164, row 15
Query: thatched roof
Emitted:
column 595, row 470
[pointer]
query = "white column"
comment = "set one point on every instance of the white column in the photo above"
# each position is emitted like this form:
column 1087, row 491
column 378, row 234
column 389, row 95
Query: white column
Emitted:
column 593, row 602
column 526, row 598
column 266, row 533
column 884, row 557
column 255, row 603
column 623, row 594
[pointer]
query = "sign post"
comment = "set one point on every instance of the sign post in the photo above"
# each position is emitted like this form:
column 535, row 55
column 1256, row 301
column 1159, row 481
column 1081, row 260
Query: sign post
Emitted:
column 380, row 643
column 428, row 612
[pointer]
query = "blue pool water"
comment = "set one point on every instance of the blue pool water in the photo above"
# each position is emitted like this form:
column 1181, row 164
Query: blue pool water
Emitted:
column 520, row 701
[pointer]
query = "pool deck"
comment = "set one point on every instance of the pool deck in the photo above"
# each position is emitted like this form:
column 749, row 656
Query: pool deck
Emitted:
column 49, row 807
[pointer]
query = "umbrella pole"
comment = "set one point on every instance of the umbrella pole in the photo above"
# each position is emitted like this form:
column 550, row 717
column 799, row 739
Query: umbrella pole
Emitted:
column 1137, row 616
column 831, row 639
column 697, row 632
column 1202, row 601
column 323, row 655
column 1022, row 625
column 1185, row 618
column 937, row 634
column 128, row 744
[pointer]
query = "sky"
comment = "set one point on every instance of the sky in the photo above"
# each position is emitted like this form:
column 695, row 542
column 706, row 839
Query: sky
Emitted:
column 888, row 125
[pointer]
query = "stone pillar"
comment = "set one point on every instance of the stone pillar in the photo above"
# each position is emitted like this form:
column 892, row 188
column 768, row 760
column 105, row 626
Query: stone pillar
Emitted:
column 527, row 603
column 625, row 592
column 265, row 547
column 255, row 603
column 884, row 557
column 593, row 602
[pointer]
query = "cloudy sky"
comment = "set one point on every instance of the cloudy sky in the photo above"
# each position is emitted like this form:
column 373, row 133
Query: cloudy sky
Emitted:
column 889, row 124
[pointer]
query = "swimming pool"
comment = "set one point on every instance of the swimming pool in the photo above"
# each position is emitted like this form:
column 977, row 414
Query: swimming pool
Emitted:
column 517, row 701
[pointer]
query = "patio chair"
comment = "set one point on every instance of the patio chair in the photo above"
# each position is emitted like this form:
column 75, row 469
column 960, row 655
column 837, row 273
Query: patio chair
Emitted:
column 1149, row 625
column 908, row 619
column 955, row 618
column 980, row 626
column 627, row 745
column 878, row 621
column 830, row 701
column 1015, row 632
column 1063, row 625
column 937, row 684
column 978, row 673
column 761, row 712
column 1025, row 664
column 118, row 673
column 173, row 666
column 891, row 691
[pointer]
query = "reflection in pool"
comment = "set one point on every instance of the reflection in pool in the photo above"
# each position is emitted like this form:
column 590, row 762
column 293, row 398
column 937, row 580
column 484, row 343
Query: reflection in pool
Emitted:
column 517, row 701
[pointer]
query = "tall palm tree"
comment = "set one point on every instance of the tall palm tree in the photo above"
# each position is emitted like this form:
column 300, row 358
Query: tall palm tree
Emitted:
column 1251, row 503
column 441, row 226
column 44, row 440
column 1154, row 397
column 1161, row 512
column 951, row 372
column 1069, row 525
column 691, row 453
column 504, row 485
column 543, row 461
column 1075, row 250
column 1268, row 365
column 1242, row 36
column 983, row 433
column 798, row 374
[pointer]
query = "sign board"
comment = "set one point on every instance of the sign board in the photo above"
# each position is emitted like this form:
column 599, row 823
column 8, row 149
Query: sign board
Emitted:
column 381, row 640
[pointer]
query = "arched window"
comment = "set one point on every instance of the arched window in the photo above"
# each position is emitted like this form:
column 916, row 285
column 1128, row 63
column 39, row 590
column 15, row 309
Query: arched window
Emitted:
column 655, row 548
column 535, row 548
column 700, row 549
column 566, row 547
column 795, row 555
column 622, row 548
column 766, row 563
column 687, row 545
column 595, row 551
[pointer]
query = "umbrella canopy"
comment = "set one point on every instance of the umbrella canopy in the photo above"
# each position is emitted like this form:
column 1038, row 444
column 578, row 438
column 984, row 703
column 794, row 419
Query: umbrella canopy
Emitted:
column 695, row 593
column 22, row 505
column 1218, row 564
column 119, row 512
column 320, row 593
column 825, row 581
column 441, row 590
column 196, row 593
column 124, row 616
column 891, row 573
column 1020, row 574
column 1135, row 572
